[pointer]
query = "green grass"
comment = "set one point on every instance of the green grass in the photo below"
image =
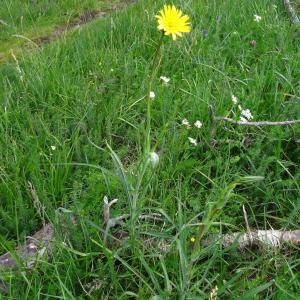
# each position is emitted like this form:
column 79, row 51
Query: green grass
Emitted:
column 89, row 86
column 22, row 25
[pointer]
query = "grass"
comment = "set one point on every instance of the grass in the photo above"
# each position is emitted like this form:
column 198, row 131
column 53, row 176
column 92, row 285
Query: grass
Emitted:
column 21, row 27
column 90, row 86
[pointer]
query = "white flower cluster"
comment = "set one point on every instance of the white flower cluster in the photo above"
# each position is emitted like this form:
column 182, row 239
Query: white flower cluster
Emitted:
column 257, row 18
column 246, row 114
column 152, row 95
column 193, row 141
column 234, row 99
column 198, row 124
column 164, row 79
column 186, row 123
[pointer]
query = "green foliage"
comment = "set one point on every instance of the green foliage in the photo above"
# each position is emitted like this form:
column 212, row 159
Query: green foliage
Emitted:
column 86, row 91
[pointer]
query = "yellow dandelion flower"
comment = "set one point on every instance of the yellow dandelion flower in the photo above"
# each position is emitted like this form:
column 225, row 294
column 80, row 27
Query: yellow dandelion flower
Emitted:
column 172, row 22
column 193, row 239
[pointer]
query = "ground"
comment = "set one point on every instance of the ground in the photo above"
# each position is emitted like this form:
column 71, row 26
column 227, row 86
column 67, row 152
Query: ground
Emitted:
column 72, row 123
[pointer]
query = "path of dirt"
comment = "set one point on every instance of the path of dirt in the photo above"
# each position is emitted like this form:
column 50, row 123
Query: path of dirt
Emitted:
column 77, row 22
column 82, row 19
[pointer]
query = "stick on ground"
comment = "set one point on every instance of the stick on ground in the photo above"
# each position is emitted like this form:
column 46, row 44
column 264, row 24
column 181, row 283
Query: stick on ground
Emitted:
column 259, row 123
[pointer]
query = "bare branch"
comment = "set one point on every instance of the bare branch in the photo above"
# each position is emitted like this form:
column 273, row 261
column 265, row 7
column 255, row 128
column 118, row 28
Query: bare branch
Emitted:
column 113, row 222
column 106, row 208
column 269, row 238
column 31, row 251
column 257, row 124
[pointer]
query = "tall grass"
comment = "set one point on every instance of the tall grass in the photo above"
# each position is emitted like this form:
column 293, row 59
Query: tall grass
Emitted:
column 89, row 88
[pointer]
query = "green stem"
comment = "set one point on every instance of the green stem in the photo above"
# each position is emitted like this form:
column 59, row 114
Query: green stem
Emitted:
column 203, row 229
column 153, row 71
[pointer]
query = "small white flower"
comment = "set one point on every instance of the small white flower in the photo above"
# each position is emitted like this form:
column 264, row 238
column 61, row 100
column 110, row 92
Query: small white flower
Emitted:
column 198, row 124
column 164, row 79
column 234, row 99
column 186, row 123
column 154, row 159
column 152, row 95
column 257, row 18
column 242, row 119
column 53, row 148
column 247, row 114
column 239, row 107
column 214, row 294
column 193, row 141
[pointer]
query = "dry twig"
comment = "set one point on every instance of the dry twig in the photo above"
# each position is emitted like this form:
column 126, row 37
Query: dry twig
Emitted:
column 40, row 245
column 270, row 238
column 31, row 251
column 113, row 222
column 259, row 123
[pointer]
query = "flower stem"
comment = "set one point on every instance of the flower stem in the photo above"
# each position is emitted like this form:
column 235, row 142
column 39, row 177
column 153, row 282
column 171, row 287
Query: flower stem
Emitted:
column 153, row 70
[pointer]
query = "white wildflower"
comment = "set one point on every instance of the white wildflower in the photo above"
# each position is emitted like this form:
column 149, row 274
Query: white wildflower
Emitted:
column 234, row 99
column 164, row 79
column 193, row 141
column 198, row 124
column 154, row 159
column 53, row 148
column 247, row 114
column 242, row 119
column 257, row 18
column 214, row 294
column 186, row 123
column 152, row 95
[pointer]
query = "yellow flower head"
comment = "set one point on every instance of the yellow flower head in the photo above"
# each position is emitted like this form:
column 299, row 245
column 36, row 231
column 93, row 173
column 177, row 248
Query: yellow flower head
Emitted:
column 171, row 21
column 193, row 239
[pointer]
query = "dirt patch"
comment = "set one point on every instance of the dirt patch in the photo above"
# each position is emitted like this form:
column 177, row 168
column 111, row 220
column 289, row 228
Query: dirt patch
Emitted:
column 84, row 18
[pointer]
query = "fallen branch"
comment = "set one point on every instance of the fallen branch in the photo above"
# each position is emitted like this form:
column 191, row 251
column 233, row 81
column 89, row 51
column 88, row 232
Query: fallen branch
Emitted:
column 269, row 238
column 113, row 222
column 259, row 123
column 37, row 247
column 33, row 249
column 291, row 12
column 41, row 244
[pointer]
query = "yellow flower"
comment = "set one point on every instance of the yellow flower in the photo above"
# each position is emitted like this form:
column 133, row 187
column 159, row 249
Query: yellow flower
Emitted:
column 171, row 21
column 193, row 239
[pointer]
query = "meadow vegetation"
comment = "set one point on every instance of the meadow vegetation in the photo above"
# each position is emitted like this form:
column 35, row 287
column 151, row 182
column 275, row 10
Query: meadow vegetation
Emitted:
column 23, row 24
column 73, row 122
